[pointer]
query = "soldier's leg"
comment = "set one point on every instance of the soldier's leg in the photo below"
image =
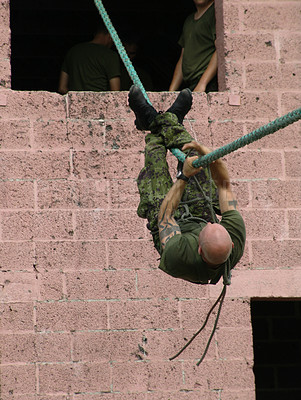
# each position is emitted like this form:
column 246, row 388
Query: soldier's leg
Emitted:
column 199, row 192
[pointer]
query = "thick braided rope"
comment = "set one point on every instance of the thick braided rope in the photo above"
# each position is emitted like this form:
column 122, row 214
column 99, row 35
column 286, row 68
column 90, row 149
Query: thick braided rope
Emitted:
column 120, row 48
column 203, row 161
column 259, row 133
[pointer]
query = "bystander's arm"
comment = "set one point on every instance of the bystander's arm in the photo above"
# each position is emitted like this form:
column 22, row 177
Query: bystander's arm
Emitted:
column 63, row 83
column 115, row 83
column 208, row 75
column 178, row 75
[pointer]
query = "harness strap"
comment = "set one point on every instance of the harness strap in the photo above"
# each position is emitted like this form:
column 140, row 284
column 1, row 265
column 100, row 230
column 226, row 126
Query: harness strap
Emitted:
column 220, row 300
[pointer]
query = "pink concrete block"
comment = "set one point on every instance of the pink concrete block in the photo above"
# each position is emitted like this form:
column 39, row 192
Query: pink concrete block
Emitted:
column 234, row 76
column 193, row 313
column 108, row 346
column 70, row 316
column 130, row 377
column 22, row 165
column 18, row 348
column 254, row 106
column 16, row 256
column 111, row 396
column 199, row 110
column 231, row 17
column 87, row 134
column 259, row 75
column 14, row 134
column 124, row 194
column 71, row 255
column 242, row 192
column 18, row 379
column 265, row 224
column 3, row 99
column 135, row 254
column 162, row 345
column 50, row 285
column 95, row 225
column 258, row 17
column 5, row 69
column 234, row 343
column 290, row 46
column 165, row 375
column 53, row 347
column 142, row 314
column 200, row 131
column 291, row 101
column 16, row 317
column 219, row 375
column 182, row 395
column 101, row 285
column 26, row 225
column 242, row 46
column 24, row 397
column 18, row 286
column 241, row 394
column 50, row 134
column 293, row 163
column 44, row 105
column 276, row 194
column 106, row 165
column 290, row 76
column 123, row 135
column 160, row 375
column 249, row 164
column 294, row 221
column 265, row 284
column 235, row 312
column 225, row 132
column 78, row 377
column 4, row 19
column 98, row 105
column 276, row 254
column 287, row 138
column 16, row 194
column 156, row 283
column 72, row 194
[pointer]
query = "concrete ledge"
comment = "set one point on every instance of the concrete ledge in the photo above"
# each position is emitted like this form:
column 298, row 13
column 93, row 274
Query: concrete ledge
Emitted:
column 262, row 283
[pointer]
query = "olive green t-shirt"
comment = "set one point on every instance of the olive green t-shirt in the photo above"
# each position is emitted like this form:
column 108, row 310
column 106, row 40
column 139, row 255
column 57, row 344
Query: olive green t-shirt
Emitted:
column 90, row 67
column 181, row 259
column 197, row 39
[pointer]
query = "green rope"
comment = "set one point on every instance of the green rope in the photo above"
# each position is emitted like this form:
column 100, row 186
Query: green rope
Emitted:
column 202, row 161
column 119, row 46
column 259, row 133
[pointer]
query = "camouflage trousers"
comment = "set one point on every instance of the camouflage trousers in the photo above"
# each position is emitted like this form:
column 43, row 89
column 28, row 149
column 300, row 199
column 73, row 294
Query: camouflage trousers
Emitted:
column 154, row 180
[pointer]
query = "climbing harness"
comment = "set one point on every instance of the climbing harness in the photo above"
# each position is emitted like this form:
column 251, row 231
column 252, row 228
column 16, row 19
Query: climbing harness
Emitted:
column 202, row 161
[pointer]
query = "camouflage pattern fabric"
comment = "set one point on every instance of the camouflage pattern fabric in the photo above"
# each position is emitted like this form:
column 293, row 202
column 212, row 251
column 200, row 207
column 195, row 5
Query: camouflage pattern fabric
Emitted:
column 154, row 180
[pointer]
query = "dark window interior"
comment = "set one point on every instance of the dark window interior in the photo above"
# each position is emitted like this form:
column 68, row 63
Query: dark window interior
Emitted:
column 277, row 349
column 42, row 31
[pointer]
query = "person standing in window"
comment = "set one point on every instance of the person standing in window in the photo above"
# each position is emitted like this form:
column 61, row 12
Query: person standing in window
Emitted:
column 197, row 65
column 91, row 66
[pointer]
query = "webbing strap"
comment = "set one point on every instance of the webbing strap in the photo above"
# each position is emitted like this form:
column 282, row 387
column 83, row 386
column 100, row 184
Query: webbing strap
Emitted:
column 220, row 300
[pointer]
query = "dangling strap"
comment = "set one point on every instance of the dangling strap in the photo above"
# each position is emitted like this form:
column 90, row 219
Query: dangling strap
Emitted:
column 220, row 300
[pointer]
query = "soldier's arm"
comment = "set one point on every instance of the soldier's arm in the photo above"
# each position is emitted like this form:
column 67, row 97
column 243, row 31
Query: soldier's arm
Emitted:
column 168, row 226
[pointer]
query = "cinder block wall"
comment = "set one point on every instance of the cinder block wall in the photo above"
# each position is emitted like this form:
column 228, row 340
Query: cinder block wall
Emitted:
column 85, row 314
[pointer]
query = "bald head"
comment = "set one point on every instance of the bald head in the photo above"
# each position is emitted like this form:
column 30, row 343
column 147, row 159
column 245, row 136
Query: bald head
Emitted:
column 215, row 244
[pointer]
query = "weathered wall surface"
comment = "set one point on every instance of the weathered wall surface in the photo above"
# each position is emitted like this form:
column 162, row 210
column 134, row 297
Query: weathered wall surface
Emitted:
column 85, row 314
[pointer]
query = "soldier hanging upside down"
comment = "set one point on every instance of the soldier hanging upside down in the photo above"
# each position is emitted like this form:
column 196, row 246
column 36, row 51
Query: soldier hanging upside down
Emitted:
column 194, row 245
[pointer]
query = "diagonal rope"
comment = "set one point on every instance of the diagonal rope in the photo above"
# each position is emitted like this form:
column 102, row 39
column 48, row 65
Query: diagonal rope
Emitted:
column 120, row 48
column 259, row 133
column 202, row 161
